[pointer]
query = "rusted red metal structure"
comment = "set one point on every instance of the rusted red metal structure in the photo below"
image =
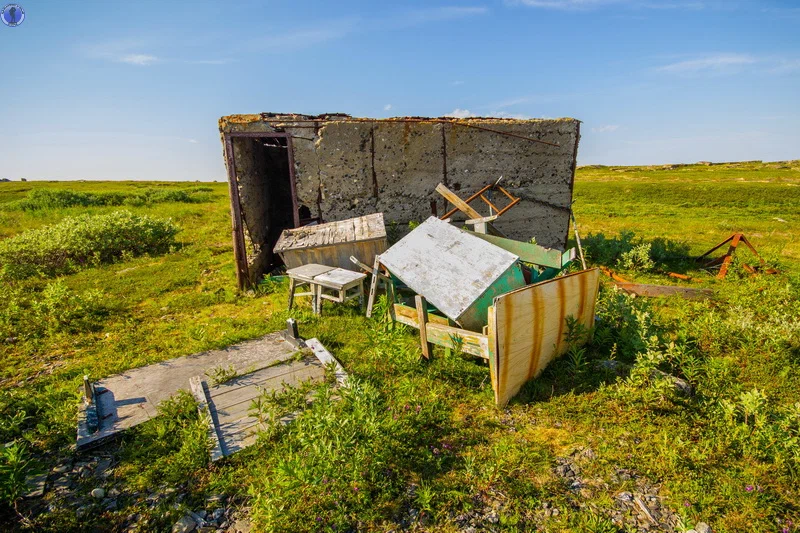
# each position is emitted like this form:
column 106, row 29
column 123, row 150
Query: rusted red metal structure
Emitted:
column 724, row 261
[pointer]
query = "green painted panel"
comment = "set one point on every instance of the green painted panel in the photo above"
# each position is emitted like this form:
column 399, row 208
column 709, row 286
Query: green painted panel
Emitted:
column 527, row 252
column 475, row 317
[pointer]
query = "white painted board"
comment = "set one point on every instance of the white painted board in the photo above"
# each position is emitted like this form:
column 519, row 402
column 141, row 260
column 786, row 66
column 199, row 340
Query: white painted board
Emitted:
column 450, row 267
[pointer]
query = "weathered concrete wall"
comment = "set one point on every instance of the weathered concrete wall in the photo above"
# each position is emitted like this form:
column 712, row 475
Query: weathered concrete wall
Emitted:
column 350, row 167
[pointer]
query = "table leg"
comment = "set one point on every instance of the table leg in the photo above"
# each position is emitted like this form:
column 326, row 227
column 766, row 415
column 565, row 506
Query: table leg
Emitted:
column 292, row 285
column 317, row 299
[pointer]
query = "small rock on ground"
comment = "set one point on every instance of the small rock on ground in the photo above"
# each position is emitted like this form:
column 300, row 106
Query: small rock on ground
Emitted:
column 184, row 525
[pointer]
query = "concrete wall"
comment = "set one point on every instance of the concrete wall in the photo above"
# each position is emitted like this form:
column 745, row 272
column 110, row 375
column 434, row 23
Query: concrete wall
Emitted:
column 350, row 167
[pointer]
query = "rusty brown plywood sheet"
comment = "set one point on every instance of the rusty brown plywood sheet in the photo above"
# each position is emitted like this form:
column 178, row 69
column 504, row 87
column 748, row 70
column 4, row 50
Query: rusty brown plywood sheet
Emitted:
column 530, row 326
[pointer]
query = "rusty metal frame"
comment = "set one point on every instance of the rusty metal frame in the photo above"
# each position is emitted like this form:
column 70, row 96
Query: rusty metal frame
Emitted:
column 239, row 248
column 724, row 261
column 513, row 201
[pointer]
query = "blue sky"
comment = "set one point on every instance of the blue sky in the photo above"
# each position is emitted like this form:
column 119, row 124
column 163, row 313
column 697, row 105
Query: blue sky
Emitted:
column 133, row 90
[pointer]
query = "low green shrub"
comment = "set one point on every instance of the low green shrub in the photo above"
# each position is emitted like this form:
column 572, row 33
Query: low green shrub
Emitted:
column 630, row 252
column 637, row 258
column 26, row 314
column 78, row 242
column 39, row 199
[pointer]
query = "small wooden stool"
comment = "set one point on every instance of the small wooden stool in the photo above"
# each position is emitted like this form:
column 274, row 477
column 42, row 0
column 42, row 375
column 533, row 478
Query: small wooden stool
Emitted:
column 304, row 275
column 339, row 281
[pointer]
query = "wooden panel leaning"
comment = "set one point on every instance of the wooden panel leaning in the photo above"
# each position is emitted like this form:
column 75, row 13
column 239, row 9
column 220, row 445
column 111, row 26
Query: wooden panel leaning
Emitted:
column 530, row 324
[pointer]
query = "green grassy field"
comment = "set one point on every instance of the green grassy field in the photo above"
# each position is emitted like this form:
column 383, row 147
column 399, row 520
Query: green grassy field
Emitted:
column 420, row 445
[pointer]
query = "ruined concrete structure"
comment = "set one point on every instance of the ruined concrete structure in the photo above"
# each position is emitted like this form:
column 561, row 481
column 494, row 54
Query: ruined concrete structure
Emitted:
column 287, row 170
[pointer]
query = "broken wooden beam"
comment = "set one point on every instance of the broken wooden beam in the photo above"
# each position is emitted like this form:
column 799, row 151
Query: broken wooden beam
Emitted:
column 647, row 290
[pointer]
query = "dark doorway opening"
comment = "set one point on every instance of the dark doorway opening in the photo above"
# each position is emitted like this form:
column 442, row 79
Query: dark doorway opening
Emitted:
column 263, row 199
column 281, row 204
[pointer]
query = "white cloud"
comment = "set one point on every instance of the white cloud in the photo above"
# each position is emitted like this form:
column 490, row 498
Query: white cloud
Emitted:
column 729, row 63
column 713, row 63
column 563, row 4
column 783, row 66
column 581, row 5
column 457, row 82
column 141, row 60
column 122, row 51
column 461, row 113
column 503, row 114
column 387, row 107
column 193, row 141
column 339, row 28
column 210, row 62
column 606, row 129
column 280, row 42
column 436, row 14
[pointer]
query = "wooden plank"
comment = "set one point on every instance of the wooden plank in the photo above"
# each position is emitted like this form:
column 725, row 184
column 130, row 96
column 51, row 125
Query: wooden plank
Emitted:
column 238, row 400
column 339, row 278
column 643, row 289
column 373, row 285
column 230, row 403
column 456, row 338
column 491, row 336
column 454, row 199
column 531, row 323
column 474, row 221
column 308, row 272
column 198, row 389
column 422, row 318
column 439, row 332
column 326, row 359
column 369, row 227
column 408, row 316
column 452, row 268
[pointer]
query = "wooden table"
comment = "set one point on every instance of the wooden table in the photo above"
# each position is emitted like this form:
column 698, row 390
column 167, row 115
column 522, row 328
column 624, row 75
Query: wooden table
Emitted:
column 322, row 277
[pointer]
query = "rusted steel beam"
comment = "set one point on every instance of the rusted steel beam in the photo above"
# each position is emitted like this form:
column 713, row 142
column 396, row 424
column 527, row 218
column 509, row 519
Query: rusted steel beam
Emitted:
column 284, row 123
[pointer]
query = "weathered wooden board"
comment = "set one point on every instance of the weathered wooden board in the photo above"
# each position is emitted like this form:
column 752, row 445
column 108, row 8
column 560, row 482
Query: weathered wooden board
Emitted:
column 530, row 325
column 643, row 289
column 453, row 269
column 438, row 332
column 333, row 243
column 132, row 397
column 408, row 316
column 230, row 404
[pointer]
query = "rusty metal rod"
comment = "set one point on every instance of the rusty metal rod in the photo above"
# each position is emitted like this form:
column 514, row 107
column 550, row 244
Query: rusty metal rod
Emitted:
column 283, row 123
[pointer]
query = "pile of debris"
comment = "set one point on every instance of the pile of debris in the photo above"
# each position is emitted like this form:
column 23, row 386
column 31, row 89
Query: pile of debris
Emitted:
column 474, row 291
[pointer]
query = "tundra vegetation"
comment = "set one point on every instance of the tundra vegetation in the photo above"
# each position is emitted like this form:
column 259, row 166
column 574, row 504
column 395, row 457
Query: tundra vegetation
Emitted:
column 411, row 444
